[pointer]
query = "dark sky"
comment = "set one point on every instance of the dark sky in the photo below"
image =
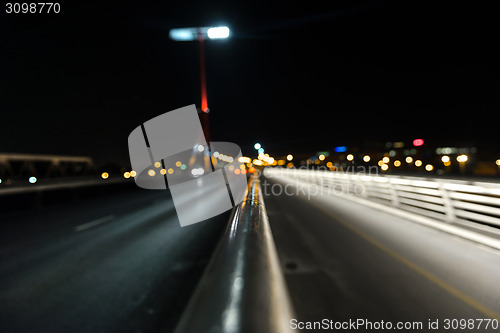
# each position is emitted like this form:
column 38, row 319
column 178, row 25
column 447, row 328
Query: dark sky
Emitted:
column 295, row 78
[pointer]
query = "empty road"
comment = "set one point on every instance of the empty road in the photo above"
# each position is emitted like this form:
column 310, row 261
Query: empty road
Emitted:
column 345, row 261
column 115, row 263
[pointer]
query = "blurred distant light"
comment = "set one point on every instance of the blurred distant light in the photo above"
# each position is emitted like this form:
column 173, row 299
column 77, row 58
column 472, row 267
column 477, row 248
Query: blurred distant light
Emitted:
column 257, row 162
column 289, row 165
column 399, row 144
column 418, row 142
column 257, row 146
column 218, row 32
column 133, row 173
column 179, row 163
column 183, row 166
column 397, row 163
column 242, row 166
column 429, row 167
column 386, row 159
column 163, row 171
column 392, row 153
column 157, row 164
column 445, row 150
column 243, row 171
column 201, row 148
column 418, row 163
column 197, row 172
column 445, row 158
column 170, row 171
column 329, row 164
column 497, row 162
column 447, row 163
column 244, row 159
column 32, row 180
column 126, row 175
column 384, row 167
column 462, row 158
column 289, row 157
column 323, row 153
column 350, row 157
column 316, row 161
column 251, row 169
column 0, row 180
column 321, row 157
column 151, row 173
column 281, row 162
column 104, row 175
column 260, row 150
column 237, row 171
column 366, row 158
column 216, row 154
column 409, row 159
column 340, row 149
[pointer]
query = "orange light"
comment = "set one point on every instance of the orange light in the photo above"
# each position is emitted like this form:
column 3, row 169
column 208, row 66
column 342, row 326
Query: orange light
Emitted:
column 243, row 171
column 251, row 170
column 237, row 171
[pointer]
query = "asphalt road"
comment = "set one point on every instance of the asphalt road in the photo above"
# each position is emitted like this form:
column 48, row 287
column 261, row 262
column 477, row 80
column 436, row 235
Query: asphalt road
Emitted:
column 346, row 261
column 116, row 263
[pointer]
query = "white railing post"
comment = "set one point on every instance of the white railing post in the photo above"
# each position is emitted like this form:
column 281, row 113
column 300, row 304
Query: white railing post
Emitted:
column 394, row 193
column 447, row 203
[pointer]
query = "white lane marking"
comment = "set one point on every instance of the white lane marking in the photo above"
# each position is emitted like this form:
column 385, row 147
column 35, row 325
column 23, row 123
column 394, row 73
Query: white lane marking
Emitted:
column 94, row 223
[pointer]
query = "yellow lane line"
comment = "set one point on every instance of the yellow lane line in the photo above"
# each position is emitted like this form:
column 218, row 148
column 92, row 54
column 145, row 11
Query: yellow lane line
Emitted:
column 414, row 267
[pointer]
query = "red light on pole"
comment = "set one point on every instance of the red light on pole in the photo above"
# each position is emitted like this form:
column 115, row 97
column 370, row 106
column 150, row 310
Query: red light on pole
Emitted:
column 418, row 142
column 203, row 80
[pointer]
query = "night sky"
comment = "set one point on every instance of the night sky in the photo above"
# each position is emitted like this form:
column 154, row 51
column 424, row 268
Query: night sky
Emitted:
column 295, row 78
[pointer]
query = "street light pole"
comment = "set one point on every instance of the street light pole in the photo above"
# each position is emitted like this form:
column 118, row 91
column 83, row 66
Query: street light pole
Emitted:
column 200, row 34
column 203, row 87
column 203, row 77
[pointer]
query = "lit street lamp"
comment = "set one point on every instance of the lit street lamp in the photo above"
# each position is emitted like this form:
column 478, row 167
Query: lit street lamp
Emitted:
column 200, row 34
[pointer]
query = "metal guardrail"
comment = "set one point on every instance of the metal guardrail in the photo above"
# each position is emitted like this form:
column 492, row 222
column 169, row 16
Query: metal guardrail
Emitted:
column 242, row 288
column 443, row 199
